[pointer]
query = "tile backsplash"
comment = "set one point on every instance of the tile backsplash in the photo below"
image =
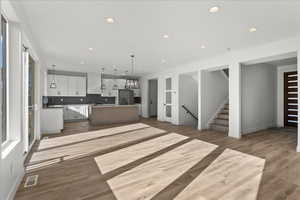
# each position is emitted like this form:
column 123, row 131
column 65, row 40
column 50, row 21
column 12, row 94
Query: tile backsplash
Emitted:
column 89, row 99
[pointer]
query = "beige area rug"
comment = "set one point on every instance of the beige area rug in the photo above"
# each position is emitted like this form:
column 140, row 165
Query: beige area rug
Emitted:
column 85, row 148
column 69, row 139
column 114, row 160
column 151, row 177
column 232, row 176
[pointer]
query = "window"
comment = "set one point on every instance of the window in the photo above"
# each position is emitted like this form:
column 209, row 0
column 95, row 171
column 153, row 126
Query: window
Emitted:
column 3, row 72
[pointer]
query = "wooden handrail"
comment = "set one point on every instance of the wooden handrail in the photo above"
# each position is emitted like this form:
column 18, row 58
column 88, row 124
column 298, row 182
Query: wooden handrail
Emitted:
column 189, row 112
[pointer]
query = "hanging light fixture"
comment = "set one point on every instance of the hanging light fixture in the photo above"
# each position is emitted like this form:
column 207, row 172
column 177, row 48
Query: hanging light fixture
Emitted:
column 53, row 82
column 132, row 83
column 115, row 86
column 103, row 86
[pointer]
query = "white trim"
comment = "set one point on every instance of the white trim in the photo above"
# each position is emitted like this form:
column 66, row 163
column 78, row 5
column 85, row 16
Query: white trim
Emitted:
column 14, row 189
column 210, row 121
column 256, row 129
column 224, row 74
column 298, row 148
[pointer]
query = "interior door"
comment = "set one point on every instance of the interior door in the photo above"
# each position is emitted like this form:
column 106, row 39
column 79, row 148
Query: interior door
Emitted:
column 168, row 99
column 291, row 99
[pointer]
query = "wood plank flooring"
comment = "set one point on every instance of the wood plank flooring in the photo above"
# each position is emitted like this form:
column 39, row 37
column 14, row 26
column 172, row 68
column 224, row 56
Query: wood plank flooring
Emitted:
column 114, row 160
column 79, row 176
column 148, row 179
column 233, row 175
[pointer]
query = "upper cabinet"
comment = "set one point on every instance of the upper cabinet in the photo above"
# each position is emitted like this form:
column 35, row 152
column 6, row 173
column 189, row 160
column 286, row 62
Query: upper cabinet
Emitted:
column 67, row 86
column 94, row 83
column 77, row 86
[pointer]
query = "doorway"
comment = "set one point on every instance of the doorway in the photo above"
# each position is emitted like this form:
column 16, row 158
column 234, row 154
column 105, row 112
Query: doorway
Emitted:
column 153, row 95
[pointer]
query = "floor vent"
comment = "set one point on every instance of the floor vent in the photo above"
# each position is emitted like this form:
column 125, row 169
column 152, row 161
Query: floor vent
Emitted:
column 31, row 181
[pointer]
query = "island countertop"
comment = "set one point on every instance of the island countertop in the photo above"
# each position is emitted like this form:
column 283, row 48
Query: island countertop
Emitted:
column 110, row 114
column 113, row 105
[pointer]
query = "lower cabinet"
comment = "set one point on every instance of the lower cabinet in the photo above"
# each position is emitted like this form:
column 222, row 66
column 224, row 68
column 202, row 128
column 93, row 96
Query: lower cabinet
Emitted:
column 75, row 112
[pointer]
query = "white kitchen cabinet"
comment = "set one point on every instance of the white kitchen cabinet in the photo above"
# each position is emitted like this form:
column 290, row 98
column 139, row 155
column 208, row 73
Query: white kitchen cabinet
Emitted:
column 94, row 83
column 52, row 120
column 136, row 92
column 81, row 86
column 67, row 86
column 62, row 85
column 75, row 112
column 77, row 86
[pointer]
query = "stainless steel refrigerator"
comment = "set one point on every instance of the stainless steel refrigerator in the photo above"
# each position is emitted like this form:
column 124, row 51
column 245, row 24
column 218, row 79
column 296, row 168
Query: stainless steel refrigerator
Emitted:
column 126, row 97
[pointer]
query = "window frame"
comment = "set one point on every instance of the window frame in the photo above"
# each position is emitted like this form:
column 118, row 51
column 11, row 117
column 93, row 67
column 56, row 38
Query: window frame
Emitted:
column 5, row 86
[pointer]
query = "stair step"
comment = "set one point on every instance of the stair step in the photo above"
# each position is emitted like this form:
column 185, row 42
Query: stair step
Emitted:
column 223, row 122
column 218, row 127
column 226, row 106
column 225, row 112
column 223, row 116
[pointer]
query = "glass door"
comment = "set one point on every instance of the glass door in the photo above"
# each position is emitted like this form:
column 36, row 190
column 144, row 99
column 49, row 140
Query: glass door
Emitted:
column 31, row 101
column 168, row 99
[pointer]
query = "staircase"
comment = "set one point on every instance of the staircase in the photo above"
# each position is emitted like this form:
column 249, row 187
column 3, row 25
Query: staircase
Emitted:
column 220, row 123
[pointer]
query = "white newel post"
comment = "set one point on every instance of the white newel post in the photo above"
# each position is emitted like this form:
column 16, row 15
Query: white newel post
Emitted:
column 235, row 101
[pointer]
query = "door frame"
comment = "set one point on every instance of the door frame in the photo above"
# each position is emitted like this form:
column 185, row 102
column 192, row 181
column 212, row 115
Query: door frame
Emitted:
column 25, row 119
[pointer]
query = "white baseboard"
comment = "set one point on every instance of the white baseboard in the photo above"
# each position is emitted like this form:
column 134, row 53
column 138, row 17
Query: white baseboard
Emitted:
column 14, row 189
column 258, row 128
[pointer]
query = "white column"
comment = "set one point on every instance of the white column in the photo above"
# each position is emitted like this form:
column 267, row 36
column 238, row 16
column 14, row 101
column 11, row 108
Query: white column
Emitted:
column 298, row 70
column 175, row 100
column 235, row 101
column 200, row 100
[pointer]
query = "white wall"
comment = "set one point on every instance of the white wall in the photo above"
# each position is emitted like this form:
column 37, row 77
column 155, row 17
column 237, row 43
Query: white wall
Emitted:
column 188, row 96
column 280, row 91
column 12, row 155
column 231, row 59
column 259, row 92
column 214, row 92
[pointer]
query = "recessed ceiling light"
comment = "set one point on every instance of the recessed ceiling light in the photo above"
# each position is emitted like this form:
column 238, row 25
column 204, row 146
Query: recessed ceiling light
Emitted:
column 82, row 62
column 163, row 61
column 165, row 36
column 110, row 20
column 91, row 49
column 203, row 46
column 214, row 9
column 253, row 29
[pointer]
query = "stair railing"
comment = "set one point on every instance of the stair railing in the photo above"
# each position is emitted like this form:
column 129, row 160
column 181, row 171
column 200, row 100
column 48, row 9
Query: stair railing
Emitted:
column 189, row 112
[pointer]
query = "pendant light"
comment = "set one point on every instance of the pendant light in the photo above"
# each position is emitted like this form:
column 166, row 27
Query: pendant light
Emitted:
column 115, row 86
column 53, row 82
column 132, row 83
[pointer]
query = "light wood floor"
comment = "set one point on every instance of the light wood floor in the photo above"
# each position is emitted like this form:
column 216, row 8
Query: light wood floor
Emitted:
column 160, row 161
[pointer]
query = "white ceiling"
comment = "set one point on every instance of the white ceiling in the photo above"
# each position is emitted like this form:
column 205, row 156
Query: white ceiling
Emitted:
column 66, row 29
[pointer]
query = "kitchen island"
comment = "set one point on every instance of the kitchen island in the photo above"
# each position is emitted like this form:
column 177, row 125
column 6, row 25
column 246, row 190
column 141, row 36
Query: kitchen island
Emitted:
column 111, row 114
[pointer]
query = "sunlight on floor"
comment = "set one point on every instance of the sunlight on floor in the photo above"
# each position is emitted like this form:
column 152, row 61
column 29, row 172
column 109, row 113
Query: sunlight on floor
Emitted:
column 72, row 151
column 69, row 139
column 233, row 175
column 111, row 161
column 149, row 178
